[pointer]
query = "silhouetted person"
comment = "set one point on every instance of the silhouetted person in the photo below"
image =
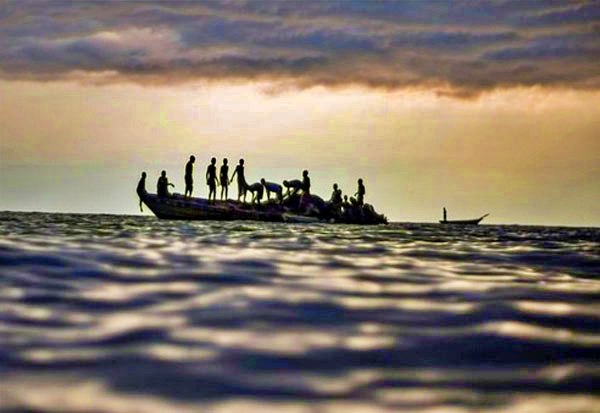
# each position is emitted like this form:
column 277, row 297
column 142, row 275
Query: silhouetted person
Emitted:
column 305, row 182
column 305, row 187
column 345, row 203
column 360, row 194
column 241, row 180
column 211, row 179
column 336, row 195
column 141, row 189
column 224, row 177
column 257, row 192
column 292, row 186
column 189, row 179
column 336, row 199
column 272, row 187
column 445, row 215
column 162, row 186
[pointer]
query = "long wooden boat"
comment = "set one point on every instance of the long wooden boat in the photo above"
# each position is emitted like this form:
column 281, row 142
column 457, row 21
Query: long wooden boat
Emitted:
column 178, row 207
column 464, row 221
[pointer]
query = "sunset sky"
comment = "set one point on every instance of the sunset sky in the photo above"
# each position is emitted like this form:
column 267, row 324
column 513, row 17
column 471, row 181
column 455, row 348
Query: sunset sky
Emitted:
column 478, row 107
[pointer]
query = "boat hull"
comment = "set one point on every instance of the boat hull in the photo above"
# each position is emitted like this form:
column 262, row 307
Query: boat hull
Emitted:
column 475, row 221
column 198, row 209
column 177, row 207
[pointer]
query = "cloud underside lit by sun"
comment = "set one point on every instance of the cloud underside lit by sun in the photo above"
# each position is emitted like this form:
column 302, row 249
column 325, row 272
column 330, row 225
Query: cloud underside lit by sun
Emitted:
column 459, row 49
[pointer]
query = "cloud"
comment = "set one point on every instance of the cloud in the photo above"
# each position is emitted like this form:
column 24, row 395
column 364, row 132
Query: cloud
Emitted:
column 460, row 48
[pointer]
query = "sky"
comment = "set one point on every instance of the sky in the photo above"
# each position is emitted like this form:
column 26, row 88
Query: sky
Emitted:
column 481, row 107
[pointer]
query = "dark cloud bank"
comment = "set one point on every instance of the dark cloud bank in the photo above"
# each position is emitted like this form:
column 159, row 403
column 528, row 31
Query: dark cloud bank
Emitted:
column 458, row 48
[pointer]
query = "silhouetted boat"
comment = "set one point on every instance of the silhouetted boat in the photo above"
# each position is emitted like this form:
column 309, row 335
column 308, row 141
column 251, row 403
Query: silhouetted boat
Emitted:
column 178, row 207
column 464, row 221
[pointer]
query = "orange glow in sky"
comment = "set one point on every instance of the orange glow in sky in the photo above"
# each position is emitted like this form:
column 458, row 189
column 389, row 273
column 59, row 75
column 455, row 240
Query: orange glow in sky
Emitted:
column 524, row 155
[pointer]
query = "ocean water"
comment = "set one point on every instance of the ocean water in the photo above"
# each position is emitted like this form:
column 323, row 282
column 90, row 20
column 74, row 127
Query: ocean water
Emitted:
column 103, row 313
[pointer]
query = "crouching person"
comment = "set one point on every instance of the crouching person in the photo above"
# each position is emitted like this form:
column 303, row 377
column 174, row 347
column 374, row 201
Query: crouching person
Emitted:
column 257, row 192
column 274, row 188
column 293, row 186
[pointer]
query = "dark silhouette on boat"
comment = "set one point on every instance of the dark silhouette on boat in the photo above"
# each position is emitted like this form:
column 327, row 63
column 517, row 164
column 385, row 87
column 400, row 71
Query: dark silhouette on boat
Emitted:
column 224, row 179
column 461, row 221
column 241, row 180
column 162, row 186
column 292, row 186
column 211, row 179
column 189, row 179
column 272, row 187
column 141, row 189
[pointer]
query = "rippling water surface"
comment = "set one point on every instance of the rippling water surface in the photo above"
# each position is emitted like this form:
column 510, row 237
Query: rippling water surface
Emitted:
column 104, row 313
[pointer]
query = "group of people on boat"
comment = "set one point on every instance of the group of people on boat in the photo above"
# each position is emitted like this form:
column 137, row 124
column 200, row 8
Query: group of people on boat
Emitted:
column 337, row 205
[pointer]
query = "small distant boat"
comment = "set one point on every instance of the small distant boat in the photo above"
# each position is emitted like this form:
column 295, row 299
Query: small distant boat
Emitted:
column 464, row 221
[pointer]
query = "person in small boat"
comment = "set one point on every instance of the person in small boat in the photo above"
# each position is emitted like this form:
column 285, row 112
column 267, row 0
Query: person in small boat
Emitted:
column 241, row 180
column 141, row 189
column 224, row 178
column 257, row 192
column 272, row 187
column 292, row 186
column 211, row 179
column 189, row 180
column 163, row 184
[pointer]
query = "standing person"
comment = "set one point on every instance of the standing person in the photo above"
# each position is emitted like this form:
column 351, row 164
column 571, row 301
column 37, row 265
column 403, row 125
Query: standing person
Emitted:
column 189, row 180
column 211, row 179
column 241, row 180
column 224, row 177
column 141, row 189
column 336, row 199
column 445, row 215
column 336, row 195
column 162, row 186
column 305, row 187
column 305, row 182
column 360, row 194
